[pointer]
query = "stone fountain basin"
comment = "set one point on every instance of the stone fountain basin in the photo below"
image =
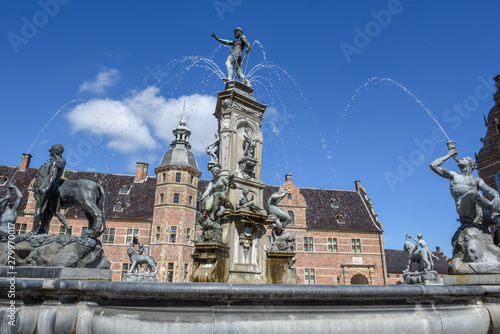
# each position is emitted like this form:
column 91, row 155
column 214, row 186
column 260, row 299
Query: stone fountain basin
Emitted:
column 74, row 306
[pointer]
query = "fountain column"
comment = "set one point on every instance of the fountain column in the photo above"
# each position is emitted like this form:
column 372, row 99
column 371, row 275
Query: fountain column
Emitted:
column 240, row 119
column 239, row 154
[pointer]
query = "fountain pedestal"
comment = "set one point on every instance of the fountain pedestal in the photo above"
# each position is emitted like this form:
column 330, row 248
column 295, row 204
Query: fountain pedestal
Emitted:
column 210, row 262
column 245, row 233
column 278, row 268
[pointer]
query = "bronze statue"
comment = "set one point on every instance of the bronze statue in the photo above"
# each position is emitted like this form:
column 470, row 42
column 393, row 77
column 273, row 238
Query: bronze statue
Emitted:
column 53, row 194
column 249, row 144
column 213, row 148
column 471, row 206
column 423, row 256
column 245, row 202
column 235, row 60
column 214, row 197
column 9, row 214
column 138, row 259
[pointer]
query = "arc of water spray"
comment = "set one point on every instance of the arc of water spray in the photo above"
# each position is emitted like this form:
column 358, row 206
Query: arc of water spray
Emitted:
column 44, row 127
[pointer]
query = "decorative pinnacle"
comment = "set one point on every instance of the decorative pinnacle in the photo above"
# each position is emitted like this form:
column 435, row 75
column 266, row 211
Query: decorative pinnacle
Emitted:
column 183, row 122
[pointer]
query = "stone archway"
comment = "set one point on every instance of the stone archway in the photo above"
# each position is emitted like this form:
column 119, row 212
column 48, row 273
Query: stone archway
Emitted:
column 359, row 279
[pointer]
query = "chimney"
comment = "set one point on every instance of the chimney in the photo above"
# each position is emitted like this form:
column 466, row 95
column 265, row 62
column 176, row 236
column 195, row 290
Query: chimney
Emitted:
column 25, row 161
column 358, row 186
column 141, row 172
column 288, row 177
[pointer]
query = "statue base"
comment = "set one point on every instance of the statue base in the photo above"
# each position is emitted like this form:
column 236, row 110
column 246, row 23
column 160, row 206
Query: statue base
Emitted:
column 419, row 277
column 139, row 277
column 233, row 84
column 474, row 251
column 278, row 268
column 211, row 262
column 45, row 250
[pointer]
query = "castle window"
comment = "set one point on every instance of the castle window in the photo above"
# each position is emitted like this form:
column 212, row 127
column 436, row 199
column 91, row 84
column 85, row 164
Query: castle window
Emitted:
column 118, row 207
column 292, row 215
column 333, row 245
column 308, row 244
column 310, row 276
column 192, row 179
column 170, row 272
column 124, row 190
column 190, row 200
column 20, row 228
column 132, row 236
column 356, row 245
column 176, row 197
column 334, row 203
column 125, row 268
column 188, row 235
column 162, row 198
column 289, row 196
column 173, row 233
column 158, row 233
column 177, row 177
column 108, row 237
column 341, row 219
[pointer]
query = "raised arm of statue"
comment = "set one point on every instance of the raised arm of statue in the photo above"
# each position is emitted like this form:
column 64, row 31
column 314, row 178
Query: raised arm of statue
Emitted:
column 441, row 171
column 223, row 41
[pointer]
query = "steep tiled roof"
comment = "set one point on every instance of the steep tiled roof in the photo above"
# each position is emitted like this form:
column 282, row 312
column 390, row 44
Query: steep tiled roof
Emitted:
column 321, row 214
column 137, row 204
column 397, row 260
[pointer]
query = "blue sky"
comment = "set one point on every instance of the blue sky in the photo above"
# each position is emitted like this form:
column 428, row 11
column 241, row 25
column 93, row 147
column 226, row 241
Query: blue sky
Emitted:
column 108, row 81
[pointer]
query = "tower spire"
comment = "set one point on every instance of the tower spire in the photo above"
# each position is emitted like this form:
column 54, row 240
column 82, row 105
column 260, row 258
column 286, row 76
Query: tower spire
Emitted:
column 181, row 133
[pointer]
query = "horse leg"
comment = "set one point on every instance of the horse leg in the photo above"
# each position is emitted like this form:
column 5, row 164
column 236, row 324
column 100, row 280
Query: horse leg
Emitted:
column 56, row 209
column 96, row 223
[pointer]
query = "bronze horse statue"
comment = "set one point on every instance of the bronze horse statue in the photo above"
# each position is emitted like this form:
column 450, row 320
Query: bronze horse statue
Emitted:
column 421, row 256
column 83, row 193
column 137, row 259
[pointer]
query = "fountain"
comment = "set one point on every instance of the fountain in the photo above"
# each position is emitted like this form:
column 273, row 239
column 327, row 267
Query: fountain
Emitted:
column 232, row 251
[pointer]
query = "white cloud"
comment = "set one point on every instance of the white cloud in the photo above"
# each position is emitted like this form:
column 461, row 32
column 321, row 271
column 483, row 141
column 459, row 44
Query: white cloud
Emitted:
column 104, row 79
column 141, row 125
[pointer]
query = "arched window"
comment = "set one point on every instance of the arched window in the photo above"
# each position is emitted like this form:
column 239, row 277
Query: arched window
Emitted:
column 118, row 207
column 359, row 279
column 124, row 190
column 334, row 203
column 341, row 219
column 289, row 196
column 3, row 179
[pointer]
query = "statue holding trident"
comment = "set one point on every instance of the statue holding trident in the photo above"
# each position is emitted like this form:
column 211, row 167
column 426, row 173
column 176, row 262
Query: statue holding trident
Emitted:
column 472, row 207
column 235, row 60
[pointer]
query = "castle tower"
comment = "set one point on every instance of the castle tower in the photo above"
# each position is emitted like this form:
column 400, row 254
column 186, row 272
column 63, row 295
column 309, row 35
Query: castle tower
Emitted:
column 174, row 216
column 488, row 159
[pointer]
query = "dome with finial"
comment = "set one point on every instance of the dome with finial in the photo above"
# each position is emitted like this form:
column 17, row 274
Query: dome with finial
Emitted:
column 180, row 154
